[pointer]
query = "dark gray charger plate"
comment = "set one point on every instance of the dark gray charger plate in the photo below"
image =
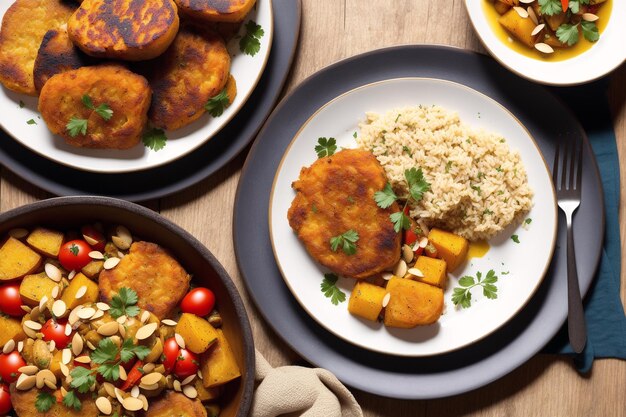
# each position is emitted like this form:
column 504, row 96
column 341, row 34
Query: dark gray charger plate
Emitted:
column 436, row 376
column 190, row 169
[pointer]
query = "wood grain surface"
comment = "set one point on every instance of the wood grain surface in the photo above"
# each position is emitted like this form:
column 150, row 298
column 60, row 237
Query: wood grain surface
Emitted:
column 333, row 30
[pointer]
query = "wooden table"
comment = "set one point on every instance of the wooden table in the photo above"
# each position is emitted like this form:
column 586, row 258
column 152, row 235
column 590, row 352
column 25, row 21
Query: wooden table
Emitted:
column 336, row 29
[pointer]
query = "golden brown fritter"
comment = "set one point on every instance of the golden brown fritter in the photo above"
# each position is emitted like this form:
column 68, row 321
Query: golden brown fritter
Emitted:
column 124, row 29
column 174, row 404
column 158, row 279
column 57, row 54
column 24, row 405
column 23, row 27
column 335, row 195
column 126, row 93
column 183, row 79
column 216, row 10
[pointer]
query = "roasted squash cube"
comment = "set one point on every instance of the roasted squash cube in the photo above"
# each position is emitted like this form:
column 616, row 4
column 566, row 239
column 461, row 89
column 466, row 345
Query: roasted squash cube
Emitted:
column 451, row 248
column 521, row 28
column 17, row 260
column 198, row 333
column 34, row 287
column 412, row 303
column 93, row 268
column 69, row 295
column 434, row 271
column 10, row 328
column 366, row 300
column 218, row 364
column 46, row 241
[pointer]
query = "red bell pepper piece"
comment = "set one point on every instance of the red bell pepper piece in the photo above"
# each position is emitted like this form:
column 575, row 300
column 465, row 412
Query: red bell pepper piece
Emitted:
column 410, row 237
column 564, row 5
column 133, row 376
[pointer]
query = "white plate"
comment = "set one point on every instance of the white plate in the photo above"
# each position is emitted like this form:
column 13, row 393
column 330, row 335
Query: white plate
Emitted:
column 603, row 57
column 246, row 69
column 526, row 262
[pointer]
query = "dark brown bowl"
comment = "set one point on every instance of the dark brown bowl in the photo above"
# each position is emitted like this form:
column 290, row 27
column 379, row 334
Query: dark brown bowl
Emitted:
column 68, row 212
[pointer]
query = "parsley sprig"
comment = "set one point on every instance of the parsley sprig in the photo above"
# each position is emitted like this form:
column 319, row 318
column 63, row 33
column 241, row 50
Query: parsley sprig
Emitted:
column 330, row 290
column 124, row 303
column 78, row 126
column 216, row 105
column 154, row 139
column 103, row 110
column 325, row 147
column 346, row 240
column 462, row 295
column 550, row 7
column 417, row 186
column 44, row 401
column 250, row 43
column 568, row 33
column 71, row 400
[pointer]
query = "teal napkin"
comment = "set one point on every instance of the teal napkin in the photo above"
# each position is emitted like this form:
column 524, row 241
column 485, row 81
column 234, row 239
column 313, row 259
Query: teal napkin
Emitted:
column 606, row 322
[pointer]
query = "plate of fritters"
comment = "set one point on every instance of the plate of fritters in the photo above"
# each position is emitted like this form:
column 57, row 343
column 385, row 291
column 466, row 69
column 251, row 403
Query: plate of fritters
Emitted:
column 120, row 86
column 413, row 216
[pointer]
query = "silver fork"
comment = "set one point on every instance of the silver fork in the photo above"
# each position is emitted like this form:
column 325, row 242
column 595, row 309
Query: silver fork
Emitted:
column 569, row 153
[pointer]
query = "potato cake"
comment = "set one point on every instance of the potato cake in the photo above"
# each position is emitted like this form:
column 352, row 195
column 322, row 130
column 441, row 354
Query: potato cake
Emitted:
column 124, row 29
column 336, row 195
column 57, row 54
column 183, row 79
column 175, row 404
column 159, row 280
column 23, row 27
column 125, row 93
column 216, row 10
column 24, row 405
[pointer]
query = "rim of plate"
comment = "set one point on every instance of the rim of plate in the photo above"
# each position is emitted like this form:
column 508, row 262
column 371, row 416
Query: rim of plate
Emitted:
column 226, row 120
column 371, row 348
column 551, row 72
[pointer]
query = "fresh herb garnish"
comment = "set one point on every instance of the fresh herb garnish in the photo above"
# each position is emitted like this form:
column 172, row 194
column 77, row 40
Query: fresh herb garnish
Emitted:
column 76, row 126
column 72, row 401
column 354, row 135
column 74, row 249
column 462, row 295
column 568, row 33
column 21, row 104
column 154, row 139
column 417, row 184
column 386, row 197
column 398, row 117
column 550, row 7
column 528, row 221
column 103, row 110
column 515, row 238
column 325, row 147
column 216, row 105
column 330, row 290
column 83, row 378
column 249, row 43
column 487, row 211
column 407, row 150
column 110, row 357
column 448, row 166
column 346, row 240
column 400, row 221
column 44, row 401
column 31, row 122
column 476, row 188
column 505, row 273
column 124, row 303
column 590, row 31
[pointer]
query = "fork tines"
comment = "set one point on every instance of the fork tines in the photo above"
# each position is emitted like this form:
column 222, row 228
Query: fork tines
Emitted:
column 568, row 162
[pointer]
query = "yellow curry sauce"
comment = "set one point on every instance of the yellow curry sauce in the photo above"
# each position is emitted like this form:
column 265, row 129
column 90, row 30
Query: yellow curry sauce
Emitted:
column 477, row 249
column 560, row 54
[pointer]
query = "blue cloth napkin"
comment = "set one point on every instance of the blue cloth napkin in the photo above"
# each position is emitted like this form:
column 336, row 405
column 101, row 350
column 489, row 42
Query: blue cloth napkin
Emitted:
column 606, row 322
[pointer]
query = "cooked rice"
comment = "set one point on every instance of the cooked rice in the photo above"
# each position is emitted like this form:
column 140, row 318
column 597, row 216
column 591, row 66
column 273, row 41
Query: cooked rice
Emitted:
column 478, row 185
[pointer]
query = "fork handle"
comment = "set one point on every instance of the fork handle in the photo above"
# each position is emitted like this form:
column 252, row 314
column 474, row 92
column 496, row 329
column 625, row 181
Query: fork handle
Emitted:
column 576, row 327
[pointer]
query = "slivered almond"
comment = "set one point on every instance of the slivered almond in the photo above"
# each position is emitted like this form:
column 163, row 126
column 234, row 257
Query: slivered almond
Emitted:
column 81, row 292
column 28, row 369
column 90, row 345
column 146, row 331
column 416, row 272
column 45, row 375
column 190, row 391
column 423, row 242
column 590, row 17
column 109, row 388
column 111, row 263
column 33, row 325
column 25, row 382
column 71, row 275
column 177, row 386
column 68, row 330
column 97, row 255
column 132, row 404
column 63, row 392
column 123, row 374
column 83, row 359
column 149, row 367
column 521, row 12
column 52, row 345
column 77, row 344
column 407, row 253
column 55, row 292
column 188, row 379
column 42, row 303
column 27, row 309
column 97, row 315
column 8, row 347
column 526, row 1
column 538, row 29
column 544, row 47
column 103, row 306
column 179, row 340
column 122, row 319
column 149, row 387
column 144, row 400
column 53, row 272
column 104, row 405
column 134, row 392
column 400, row 269
column 73, row 317
column 124, row 234
column 66, row 356
column 122, row 330
column 532, row 15
column 18, row 233
column 169, row 322
column 386, row 299
column 86, row 313
column 151, row 378
column 120, row 243
column 50, row 384
column 145, row 316
column 59, row 308
column 387, row 276
column 20, row 346
column 90, row 240
column 119, row 394
column 30, row 332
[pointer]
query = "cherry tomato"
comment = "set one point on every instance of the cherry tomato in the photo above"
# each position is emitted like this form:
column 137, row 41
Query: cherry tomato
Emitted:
column 74, row 255
column 187, row 364
column 170, row 354
column 5, row 400
column 90, row 232
column 10, row 300
column 9, row 365
column 199, row 301
column 55, row 330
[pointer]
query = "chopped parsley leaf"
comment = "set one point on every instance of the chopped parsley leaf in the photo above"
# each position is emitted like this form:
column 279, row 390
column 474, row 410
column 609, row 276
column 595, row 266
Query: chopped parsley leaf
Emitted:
column 346, row 240
column 515, row 238
column 249, row 43
column 154, row 139
column 330, row 290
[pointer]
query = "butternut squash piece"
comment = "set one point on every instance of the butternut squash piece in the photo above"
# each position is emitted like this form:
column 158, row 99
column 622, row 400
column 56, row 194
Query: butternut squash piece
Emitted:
column 46, row 241
column 501, row 7
column 10, row 328
column 34, row 287
column 218, row 364
column 198, row 333
column 555, row 20
column 93, row 268
column 434, row 271
column 521, row 28
column 69, row 295
column 55, row 364
column 412, row 304
column 207, row 394
column 366, row 300
column 17, row 260
column 450, row 247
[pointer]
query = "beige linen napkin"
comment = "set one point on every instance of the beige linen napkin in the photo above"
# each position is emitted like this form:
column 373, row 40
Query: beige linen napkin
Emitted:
column 299, row 391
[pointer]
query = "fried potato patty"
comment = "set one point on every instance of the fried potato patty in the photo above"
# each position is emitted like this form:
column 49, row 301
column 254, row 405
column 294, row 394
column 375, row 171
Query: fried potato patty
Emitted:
column 126, row 93
column 216, row 10
column 194, row 69
column 335, row 195
column 24, row 405
column 158, row 279
column 124, row 29
column 23, row 27
column 57, row 54
column 174, row 404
